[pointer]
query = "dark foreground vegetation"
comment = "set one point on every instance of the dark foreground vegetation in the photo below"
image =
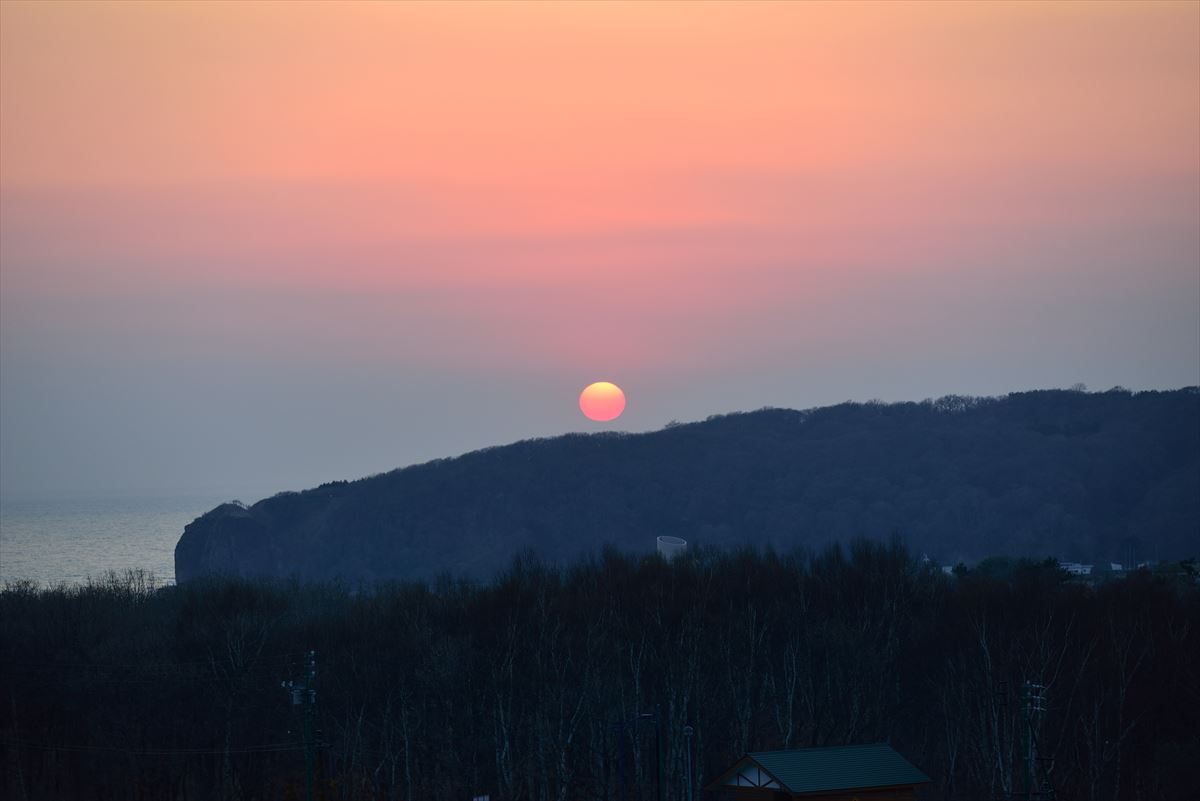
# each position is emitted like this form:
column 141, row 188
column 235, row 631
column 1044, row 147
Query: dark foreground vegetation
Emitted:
column 120, row 691
column 1088, row 477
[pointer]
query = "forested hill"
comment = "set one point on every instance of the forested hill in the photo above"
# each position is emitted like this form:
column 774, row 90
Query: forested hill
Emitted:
column 1069, row 474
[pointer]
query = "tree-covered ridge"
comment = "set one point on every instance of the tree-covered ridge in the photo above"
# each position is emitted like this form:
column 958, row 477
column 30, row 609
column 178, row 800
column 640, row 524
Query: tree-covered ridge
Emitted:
column 1075, row 475
column 512, row 688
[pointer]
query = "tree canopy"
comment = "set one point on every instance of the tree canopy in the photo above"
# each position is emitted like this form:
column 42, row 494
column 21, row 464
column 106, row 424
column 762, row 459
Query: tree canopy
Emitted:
column 1111, row 476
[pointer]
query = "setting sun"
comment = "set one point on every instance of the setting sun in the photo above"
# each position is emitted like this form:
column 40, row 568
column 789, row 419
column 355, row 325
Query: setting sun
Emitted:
column 602, row 401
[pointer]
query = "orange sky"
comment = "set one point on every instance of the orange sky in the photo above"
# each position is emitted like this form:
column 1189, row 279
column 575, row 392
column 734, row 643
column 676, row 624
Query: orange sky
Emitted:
column 554, row 97
column 375, row 123
column 594, row 188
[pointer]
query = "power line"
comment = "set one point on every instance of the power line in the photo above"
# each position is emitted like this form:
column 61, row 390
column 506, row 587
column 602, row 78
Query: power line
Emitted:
column 75, row 677
column 152, row 661
column 108, row 749
column 143, row 665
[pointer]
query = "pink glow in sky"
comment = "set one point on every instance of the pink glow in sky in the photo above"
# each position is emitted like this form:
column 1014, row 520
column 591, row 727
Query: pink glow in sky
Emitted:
column 720, row 205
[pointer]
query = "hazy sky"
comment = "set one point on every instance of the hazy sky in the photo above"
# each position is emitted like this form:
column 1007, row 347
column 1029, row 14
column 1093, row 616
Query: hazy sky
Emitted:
column 253, row 247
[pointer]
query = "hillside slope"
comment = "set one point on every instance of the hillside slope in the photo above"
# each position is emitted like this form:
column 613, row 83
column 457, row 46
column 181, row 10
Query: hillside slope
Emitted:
column 1049, row 473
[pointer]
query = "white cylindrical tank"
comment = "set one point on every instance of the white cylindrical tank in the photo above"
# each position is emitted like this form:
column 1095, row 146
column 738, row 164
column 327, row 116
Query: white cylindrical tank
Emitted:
column 670, row 547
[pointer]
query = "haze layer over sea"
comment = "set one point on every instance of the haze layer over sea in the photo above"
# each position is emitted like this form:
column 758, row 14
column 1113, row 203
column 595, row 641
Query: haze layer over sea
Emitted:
column 68, row 539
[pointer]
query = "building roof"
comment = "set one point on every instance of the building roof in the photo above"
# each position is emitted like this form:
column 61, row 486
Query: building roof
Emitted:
column 812, row 770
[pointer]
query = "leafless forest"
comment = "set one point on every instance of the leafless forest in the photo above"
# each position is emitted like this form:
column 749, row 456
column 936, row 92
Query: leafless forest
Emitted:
column 118, row 690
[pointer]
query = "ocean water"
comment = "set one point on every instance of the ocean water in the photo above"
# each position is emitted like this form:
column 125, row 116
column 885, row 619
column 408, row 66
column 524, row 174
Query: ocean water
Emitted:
column 55, row 540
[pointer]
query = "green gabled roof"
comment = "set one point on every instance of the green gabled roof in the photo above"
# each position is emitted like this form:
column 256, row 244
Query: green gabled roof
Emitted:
column 812, row 770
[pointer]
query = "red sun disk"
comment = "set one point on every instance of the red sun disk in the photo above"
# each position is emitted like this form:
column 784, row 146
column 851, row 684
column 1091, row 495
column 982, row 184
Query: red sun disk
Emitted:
column 602, row 401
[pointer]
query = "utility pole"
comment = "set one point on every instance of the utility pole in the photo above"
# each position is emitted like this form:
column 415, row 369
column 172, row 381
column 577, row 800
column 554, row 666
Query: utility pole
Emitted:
column 304, row 694
column 619, row 728
column 658, row 746
column 1032, row 706
column 655, row 716
column 631, row 725
column 310, row 709
column 687, row 739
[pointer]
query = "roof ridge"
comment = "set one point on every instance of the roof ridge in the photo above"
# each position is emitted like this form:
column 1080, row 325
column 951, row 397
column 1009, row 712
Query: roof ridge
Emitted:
column 836, row 767
column 820, row 748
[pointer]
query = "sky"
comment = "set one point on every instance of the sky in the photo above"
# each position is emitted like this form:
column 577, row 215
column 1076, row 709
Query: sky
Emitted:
column 254, row 247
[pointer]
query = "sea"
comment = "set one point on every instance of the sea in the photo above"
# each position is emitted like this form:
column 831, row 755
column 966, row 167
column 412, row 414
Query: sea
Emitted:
column 71, row 540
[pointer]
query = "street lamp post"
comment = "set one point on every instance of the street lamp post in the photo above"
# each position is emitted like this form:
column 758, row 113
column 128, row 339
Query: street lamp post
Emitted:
column 631, row 725
column 654, row 716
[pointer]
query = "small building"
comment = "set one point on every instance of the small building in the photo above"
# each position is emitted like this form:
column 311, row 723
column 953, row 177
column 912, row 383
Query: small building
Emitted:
column 845, row 773
column 671, row 547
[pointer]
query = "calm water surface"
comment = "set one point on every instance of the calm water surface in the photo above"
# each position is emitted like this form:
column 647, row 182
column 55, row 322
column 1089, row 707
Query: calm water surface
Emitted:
column 69, row 539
